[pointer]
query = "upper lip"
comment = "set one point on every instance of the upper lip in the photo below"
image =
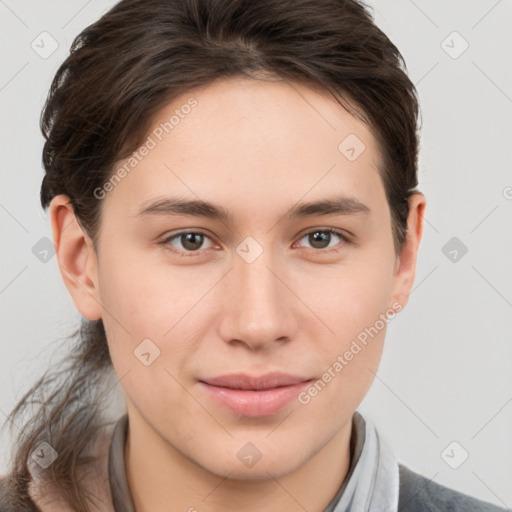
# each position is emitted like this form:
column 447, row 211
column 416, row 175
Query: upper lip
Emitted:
column 245, row 381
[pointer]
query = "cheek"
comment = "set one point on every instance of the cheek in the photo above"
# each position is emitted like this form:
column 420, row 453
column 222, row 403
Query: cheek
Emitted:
column 128, row 293
column 147, row 299
column 354, row 303
column 352, row 297
column 140, row 305
column 135, row 290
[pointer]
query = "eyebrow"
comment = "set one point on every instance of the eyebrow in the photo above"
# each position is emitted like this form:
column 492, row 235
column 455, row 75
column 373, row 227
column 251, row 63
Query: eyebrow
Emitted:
column 339, row 205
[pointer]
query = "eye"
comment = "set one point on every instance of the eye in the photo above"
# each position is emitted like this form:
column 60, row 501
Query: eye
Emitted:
column 190, row 242
column 321, row 239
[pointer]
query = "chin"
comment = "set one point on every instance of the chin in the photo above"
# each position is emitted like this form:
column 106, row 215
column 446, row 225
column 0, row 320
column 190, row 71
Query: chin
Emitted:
column 274, row 467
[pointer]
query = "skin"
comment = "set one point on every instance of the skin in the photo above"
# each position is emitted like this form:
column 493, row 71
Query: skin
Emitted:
column 256, row 148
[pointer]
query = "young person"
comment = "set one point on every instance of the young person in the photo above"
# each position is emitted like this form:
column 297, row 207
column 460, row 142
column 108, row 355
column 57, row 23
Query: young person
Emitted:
column 232, row 193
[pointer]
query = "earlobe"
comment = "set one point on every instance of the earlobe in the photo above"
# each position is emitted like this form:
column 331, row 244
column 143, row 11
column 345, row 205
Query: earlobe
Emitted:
column 76, row 258
column 406, row 265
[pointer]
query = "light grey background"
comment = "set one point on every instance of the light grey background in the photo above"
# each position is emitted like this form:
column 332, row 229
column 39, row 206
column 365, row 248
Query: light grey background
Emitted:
column 446, row 369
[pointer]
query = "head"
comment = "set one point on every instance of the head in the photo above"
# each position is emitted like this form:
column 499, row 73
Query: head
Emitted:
column 232, row 189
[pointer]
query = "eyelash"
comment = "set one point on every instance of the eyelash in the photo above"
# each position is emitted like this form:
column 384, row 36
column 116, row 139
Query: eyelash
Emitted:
column 187, row 254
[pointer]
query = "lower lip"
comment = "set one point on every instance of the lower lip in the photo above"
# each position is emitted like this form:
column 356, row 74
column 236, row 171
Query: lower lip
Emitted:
column 252, row 403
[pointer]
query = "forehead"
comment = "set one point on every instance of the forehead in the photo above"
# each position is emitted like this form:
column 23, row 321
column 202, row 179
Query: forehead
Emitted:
column 239, row 141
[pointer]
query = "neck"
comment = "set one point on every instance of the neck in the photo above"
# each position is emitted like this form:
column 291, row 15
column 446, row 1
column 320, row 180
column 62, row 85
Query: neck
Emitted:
column 160, row 476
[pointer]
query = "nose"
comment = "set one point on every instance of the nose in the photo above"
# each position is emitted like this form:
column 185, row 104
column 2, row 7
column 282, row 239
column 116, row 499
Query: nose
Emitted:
column 258, row 307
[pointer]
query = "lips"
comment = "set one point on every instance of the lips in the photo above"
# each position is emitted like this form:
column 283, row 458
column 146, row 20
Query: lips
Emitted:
column 247, row 382
column 254, row 396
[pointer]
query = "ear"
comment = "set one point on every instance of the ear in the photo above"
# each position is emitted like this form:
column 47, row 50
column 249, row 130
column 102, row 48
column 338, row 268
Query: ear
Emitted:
column 76, row 258
column 405, row 268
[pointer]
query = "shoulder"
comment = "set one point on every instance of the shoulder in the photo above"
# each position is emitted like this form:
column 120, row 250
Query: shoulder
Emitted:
column 420, row 494
column 9, row 503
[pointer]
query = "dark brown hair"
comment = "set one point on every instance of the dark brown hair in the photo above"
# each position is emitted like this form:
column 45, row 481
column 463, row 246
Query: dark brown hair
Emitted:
column 129, row 64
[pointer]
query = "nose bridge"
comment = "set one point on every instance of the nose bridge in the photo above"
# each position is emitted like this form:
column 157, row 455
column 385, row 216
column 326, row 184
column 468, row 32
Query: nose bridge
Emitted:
column 257, row 302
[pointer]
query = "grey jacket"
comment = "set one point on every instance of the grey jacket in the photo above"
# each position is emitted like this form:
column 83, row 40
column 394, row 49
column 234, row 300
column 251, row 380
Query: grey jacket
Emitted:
column 417, row 494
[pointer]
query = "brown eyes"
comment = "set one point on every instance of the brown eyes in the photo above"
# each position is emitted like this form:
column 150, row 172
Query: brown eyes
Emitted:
column 191, row 242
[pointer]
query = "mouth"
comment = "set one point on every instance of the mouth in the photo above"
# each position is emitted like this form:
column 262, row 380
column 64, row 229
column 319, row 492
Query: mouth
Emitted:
column 254, row 396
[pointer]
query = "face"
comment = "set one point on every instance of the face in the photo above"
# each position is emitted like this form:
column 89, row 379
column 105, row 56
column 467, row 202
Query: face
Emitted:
column 254, row 290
